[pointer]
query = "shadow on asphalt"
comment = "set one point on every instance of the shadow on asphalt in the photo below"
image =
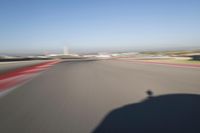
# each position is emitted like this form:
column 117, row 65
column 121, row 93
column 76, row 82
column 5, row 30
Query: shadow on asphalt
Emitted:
column 176, row 113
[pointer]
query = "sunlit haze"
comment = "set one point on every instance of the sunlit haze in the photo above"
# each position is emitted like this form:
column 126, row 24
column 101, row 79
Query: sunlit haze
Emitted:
column 40, row 26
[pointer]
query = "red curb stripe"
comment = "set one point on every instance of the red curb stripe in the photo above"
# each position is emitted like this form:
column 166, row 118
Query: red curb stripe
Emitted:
column 21, row 70
column 19, row 76
column 6, row 85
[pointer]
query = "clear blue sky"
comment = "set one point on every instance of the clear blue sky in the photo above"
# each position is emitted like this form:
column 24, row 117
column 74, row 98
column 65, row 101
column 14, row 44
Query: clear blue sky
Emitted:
column 98, row 25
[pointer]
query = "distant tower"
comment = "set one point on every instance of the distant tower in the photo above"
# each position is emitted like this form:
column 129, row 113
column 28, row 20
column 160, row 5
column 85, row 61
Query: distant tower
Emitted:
column 66, row 52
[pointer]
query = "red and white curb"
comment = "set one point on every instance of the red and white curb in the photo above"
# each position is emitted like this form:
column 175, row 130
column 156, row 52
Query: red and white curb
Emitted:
column 14, row 79
column 162, row 63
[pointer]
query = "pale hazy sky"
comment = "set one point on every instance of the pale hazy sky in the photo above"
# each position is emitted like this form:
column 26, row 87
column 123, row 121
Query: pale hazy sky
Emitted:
column 98, row 25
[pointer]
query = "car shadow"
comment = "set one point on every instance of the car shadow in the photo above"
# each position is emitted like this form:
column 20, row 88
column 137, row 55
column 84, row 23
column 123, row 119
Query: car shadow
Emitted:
column 175, row 113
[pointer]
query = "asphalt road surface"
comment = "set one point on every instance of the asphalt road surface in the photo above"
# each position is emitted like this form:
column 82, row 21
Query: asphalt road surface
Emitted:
column 75, row 96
